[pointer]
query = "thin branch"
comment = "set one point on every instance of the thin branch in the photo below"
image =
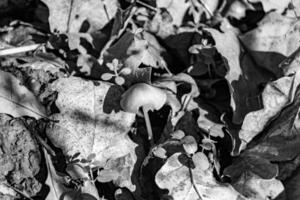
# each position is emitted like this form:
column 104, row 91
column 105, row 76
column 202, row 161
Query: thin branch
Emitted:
column 69, row 16
column 146, row 5
column 206, row 8
column 16, row 50
column 105, row 10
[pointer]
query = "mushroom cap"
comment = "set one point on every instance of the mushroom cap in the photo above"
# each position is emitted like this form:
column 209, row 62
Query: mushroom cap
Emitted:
column 142, row 94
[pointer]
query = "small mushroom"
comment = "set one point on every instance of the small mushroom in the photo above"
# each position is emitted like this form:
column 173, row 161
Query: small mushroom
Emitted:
column 145, row 96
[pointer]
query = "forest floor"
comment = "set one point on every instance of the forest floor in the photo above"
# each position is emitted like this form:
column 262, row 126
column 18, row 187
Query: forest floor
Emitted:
column 149, row 99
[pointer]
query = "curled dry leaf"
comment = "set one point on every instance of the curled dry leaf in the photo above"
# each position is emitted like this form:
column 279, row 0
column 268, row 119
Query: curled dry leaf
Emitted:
column 176, row 177
column 17, row 100
column 276, row 96
column 90, row 121
column 20, row 157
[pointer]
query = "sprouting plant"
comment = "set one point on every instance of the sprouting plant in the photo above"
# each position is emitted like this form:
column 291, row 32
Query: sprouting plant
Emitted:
column 90, row 164
column 115, row 66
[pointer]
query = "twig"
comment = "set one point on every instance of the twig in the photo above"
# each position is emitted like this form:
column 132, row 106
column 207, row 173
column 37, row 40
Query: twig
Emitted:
column 44, row 144
column 69, row 16
column 206, row 8
column 146, row 5
column 105, row 10
column 23, row 49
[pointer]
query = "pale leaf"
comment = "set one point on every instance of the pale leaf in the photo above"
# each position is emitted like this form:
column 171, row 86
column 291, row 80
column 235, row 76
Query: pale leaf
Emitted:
column 91, row 122
column 176, row 177
column 69, row 15
column 17, row 100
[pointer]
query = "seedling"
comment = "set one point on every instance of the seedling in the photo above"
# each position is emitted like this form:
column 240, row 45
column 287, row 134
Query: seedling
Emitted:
column 114, row 66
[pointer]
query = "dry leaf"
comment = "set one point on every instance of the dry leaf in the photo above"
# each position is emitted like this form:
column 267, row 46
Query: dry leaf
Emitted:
column 256, row 188
column 275, row 38
column 90, row 121
column 55, row 182
column 243, row 75
column 17, row 100
column 278, row 6
column 176, row 8
column 275, row 97
column 176, row 177
column 132, row 50
column 70, row 15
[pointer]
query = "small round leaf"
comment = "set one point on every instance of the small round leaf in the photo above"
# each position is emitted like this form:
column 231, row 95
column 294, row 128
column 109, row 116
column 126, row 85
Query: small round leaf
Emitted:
column 125, row 71
column 200, row 160
column 189, row 144
column 178, row 134
column 119, row 80
column 106, row 76
column 160, row 152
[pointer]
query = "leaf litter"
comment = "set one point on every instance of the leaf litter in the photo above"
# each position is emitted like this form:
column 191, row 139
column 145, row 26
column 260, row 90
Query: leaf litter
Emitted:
column 149, row 99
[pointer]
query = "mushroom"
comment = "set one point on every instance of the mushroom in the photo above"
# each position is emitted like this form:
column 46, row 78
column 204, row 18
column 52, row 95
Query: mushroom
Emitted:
column 146, row 96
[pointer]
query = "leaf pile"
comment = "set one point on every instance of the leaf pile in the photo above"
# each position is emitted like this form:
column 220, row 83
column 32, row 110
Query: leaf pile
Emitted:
column 149, row 99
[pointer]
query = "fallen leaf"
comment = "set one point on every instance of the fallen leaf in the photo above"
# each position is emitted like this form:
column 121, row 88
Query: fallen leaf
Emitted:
column 278, row 6
column 54, row 181
column 256, row 188
column 214, row 129
column 280, row 141
column 176, row 177
column 244, row 77
column 90, row 121
column 275, row 38
column 132, row 50
column 72, row 15
column 292, row 186
column 88, row 190
column 20, row 158
column 176, row 8
column 276, row 95
column 161, row 24
column 17, row 100
column 251, row 163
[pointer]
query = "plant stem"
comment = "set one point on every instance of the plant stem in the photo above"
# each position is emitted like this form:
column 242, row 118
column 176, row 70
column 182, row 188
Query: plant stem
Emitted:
column 193, row 183
column 148, row 125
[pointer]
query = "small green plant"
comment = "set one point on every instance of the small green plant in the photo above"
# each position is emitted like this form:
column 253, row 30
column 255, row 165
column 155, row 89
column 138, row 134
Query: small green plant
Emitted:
column 117, row 69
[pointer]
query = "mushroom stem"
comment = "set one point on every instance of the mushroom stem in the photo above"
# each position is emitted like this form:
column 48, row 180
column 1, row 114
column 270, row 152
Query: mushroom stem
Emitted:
column 148, row 125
